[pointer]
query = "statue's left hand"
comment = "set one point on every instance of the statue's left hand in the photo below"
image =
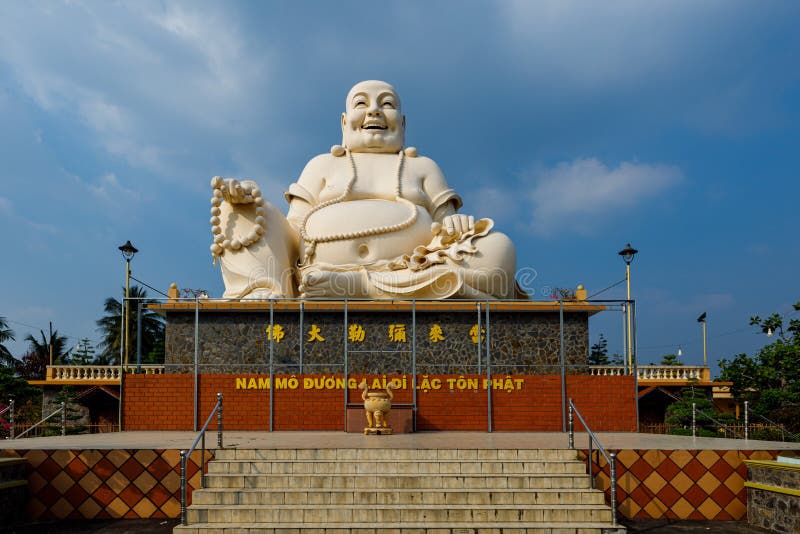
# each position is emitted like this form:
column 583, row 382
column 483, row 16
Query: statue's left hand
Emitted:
column 456, row 225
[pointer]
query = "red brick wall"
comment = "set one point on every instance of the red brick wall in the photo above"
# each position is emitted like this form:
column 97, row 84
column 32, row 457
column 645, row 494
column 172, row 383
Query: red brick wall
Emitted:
column 157, row 402
column 164, row 402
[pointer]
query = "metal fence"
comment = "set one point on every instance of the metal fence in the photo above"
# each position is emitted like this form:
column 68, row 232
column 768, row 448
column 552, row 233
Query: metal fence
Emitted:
column 486, row 359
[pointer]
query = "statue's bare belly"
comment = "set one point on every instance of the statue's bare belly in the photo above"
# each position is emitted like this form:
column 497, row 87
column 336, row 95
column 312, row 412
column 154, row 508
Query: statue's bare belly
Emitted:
column 359, row 215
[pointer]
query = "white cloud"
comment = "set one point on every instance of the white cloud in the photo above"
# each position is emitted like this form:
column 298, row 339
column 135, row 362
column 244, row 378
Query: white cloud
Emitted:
column 108, row 187
column 7, row 208
column 605, row 43
column 578, row 195
column 143, row 77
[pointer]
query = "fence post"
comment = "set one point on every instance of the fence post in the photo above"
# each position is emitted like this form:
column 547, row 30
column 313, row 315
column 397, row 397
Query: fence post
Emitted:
column 694, row 419
column 563, row 362
column 11, row 419
column 571, row 427
column 613, row 474
column 183, row 488
column 219, row 422
column 63, row 418
column 195, row 393
column 746, row 421
column 138, row 337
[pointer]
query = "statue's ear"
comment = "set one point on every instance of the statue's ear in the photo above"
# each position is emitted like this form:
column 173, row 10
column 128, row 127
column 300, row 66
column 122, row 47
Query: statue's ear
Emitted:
column 344, row 135
column 404, row 122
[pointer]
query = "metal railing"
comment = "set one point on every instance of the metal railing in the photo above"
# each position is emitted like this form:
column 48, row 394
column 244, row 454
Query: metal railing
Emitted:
column 695, row 411
column 10, row 409
column 201, row 437
column 485, row 354
column 62, row 410
column 783, row 430
column 611, row 457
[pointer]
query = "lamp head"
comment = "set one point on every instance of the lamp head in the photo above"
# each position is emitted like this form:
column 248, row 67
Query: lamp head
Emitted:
column 628, row 253
column 128, row 250
column 702, row 318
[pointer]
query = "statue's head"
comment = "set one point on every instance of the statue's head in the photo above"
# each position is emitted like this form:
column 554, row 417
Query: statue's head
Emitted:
column 372, row 121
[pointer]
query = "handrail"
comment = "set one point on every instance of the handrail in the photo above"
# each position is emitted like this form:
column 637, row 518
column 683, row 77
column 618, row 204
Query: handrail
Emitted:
column 61, row 410
column 611, row 457
column 11, row 426
column 184, row 455
column 694, row 422
column 778, row 425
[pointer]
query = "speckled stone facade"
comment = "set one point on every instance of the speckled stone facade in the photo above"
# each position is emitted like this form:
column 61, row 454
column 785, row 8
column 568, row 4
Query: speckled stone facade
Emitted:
column 233, row 341
column 775, row 511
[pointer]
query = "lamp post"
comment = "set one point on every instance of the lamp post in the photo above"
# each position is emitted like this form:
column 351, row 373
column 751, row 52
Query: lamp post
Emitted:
column 628, row 254
column 128, row 251
column 702, row 320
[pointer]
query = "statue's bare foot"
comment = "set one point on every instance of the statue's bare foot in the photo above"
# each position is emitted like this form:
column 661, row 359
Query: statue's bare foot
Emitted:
column 333, row 284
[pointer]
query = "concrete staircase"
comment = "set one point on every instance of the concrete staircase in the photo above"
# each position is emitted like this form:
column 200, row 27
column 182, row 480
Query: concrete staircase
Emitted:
column 454, row 491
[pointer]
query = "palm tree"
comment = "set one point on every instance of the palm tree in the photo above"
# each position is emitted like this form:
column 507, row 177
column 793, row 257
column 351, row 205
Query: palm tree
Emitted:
column 111, row 324
column 34, row 364
column 6, row 334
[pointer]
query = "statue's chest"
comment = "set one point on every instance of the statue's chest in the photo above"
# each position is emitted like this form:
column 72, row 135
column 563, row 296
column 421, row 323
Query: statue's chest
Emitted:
column 377, row 181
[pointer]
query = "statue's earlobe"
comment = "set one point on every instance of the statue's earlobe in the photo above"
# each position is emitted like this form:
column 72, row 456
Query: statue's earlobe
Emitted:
column 404, row 122
column 344, row 135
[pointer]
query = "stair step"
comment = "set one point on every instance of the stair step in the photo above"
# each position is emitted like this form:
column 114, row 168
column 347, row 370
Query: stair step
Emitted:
column 375, row 514
column 397, row 528
column 396, row 496
column 240, row 466
column 396, row 454
column 399, row 481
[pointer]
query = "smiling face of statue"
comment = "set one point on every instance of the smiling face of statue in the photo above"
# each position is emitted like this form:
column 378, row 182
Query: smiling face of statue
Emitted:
column 372, row 121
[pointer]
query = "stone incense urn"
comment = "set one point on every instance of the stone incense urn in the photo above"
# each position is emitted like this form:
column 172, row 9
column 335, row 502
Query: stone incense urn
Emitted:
column 377, row 405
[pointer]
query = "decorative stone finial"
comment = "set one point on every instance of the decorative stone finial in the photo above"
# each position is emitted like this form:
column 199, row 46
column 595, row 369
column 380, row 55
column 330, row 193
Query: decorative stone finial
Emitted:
column 173, row 292
column 580, row 293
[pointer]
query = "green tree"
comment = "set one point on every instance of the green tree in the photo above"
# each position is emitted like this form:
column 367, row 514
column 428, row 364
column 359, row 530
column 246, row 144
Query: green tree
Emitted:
column 111, row 324
column 6, row 334
column 27, row 399
column 770, row 380
column 617, row 359
column 84, row 352
column 33, row 365
column 599, row 352
column 670, row 359
column 679, row 413
column 74, row 414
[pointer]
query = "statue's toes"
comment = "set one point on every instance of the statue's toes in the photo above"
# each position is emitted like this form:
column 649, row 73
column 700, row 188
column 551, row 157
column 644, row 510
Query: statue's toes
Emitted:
column 313, row 278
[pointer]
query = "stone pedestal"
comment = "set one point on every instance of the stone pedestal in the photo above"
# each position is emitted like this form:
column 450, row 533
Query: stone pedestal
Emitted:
column 379, row 337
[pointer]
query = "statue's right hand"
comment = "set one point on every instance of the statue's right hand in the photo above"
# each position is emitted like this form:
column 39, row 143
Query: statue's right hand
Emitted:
column 234, row 191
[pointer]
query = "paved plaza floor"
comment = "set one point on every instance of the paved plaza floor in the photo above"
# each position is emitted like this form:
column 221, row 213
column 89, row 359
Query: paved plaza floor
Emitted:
column 159, row 526
column 418, row 440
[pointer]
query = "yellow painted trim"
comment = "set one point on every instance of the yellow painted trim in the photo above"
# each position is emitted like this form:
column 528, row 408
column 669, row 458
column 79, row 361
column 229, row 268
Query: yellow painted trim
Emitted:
column 773, row 465
column 13, row 484
column 774, row 489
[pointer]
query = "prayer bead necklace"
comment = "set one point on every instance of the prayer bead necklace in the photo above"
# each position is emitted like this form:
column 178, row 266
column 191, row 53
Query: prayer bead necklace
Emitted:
column 311, row 241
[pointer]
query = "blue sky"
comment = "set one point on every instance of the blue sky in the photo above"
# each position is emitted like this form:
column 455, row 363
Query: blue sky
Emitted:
column 578, row 126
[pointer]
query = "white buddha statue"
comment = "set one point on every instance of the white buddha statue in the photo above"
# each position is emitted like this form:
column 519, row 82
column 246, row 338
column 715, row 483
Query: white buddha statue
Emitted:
column 370, row 219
